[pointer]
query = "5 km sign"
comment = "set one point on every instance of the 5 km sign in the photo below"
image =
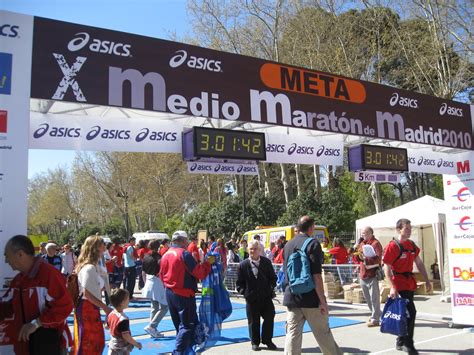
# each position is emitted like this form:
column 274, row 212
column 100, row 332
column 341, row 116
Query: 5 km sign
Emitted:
column 363, row 176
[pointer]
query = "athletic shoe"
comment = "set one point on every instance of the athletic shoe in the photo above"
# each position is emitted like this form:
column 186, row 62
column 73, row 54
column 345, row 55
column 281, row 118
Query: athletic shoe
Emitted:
column 152, row 331
column 371, row 324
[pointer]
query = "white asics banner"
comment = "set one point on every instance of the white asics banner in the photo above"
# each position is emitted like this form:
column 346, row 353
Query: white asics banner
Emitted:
column 71, row 132
column 293, row 149
column 16, row 41
column 427, row 161
column 459, row 197
column 222, row 168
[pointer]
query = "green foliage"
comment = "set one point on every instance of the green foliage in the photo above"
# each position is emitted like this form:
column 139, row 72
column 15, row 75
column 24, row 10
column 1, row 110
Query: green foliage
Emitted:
column 305, row 204
column 264, row 211
column 171, row 225
column 85, row 232
column 336, row 211
column 197, row 218
column 115, row 228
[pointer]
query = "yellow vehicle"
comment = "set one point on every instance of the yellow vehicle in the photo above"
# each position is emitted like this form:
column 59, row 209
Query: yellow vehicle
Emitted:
column 37, row 239
column 271, row 234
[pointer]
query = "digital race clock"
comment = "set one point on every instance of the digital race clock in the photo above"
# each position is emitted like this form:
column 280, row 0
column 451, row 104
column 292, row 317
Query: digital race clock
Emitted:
column 375, row 157
column 202, row 142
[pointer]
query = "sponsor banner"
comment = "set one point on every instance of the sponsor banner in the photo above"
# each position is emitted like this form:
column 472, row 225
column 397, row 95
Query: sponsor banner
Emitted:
column 458, row 195
column 97, row 66
column 463, row 299
column 321, row 150
column 427, row 161
column 72, row 132
column 16, row 36
column 379, row 177
column 222, row 168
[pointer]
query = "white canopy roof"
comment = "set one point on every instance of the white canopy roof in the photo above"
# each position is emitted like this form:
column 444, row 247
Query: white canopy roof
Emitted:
column 425, row 210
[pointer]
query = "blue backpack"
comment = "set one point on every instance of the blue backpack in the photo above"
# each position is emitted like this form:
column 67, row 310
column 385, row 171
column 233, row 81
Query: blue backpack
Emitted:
column 298, row 270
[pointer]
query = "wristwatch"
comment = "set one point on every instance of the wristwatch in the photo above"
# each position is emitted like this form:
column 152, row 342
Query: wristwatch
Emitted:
column 36, row 323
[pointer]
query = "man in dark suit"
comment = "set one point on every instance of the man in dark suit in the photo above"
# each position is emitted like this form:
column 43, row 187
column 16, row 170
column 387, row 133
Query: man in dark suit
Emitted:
column 256, row 281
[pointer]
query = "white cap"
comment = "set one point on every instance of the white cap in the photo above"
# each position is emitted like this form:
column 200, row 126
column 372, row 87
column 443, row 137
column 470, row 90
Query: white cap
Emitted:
column 179, row 235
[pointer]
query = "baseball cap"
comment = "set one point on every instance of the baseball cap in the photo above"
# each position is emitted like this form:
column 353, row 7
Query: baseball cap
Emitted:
column 179, row 235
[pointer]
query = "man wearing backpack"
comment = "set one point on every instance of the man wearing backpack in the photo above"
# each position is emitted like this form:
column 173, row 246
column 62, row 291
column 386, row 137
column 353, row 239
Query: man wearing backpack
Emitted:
column 399, row 256
column 304, row 293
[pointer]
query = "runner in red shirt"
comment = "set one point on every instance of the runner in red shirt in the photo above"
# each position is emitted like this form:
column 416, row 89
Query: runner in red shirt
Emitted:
column 193, row 248
column 117, row 251
column 398, row 259
column 339, row 251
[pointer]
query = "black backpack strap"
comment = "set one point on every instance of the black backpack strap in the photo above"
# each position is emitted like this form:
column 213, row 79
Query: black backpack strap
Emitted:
column 402, row 249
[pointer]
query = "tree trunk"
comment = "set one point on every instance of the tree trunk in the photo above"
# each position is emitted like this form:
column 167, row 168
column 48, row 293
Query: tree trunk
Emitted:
column 330, row 177
column 375, row 194
column 287, row 191
column 317, row 180
column 299, row 179
column 266, row 176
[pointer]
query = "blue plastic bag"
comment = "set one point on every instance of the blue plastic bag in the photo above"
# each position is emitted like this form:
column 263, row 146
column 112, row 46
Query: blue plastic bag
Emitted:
column 215, row 306
column 394, row 317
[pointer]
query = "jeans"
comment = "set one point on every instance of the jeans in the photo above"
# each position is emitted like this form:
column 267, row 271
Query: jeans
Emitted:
column 130, row 278
column 370, row 288
column 157, row 313
column 184, row 316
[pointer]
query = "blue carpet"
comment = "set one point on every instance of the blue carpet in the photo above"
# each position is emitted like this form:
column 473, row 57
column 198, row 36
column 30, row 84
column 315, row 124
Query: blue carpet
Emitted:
column 228, row 336
column 146, row 314
column 166, row 324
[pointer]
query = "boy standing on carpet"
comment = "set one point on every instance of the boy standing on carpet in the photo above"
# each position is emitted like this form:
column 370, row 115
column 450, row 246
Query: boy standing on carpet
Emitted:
column 121, row 341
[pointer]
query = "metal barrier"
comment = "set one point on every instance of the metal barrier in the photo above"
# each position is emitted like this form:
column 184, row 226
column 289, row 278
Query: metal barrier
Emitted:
column 342, row 274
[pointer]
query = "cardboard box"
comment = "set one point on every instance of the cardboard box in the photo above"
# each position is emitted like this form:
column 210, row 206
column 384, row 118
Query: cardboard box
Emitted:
column 421, row 289
column 348, row 296
column 328, row 277
column 358, row 296
column 384, row 292
column 332, row 289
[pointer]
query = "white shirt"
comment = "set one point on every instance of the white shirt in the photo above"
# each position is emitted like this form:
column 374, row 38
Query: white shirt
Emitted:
column 90, row 279
column 254, row 264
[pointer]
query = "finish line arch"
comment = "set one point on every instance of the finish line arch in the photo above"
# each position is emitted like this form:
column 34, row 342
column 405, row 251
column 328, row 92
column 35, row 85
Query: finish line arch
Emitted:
column 52, row 70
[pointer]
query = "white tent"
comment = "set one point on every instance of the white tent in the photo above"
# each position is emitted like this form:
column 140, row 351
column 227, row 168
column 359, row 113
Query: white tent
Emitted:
column 427, row 216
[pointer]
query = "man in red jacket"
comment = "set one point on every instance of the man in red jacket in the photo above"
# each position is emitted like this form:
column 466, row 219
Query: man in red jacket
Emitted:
column 179, row 273
column 39, row 302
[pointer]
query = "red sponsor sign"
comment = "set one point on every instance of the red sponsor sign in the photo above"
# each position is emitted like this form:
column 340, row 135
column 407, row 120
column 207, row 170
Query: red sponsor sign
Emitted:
column 3, row 121
column 463, row 299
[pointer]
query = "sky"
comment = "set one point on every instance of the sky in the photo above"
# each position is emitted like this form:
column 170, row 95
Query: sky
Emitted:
column 154, row 18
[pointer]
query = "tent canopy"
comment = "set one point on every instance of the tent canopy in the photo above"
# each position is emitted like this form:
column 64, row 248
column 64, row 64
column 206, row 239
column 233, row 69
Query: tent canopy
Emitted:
column 425, row 210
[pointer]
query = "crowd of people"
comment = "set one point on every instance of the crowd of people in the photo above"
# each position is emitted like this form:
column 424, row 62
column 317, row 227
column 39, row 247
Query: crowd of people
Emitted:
column 168, row 274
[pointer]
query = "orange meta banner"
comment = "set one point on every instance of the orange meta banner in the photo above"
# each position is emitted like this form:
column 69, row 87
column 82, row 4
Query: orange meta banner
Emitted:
column 314, row 83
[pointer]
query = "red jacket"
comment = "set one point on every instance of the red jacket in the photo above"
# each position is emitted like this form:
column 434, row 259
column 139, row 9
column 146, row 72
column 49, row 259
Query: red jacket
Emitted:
column 180, row 272
column 117, row 251
column 39, row 294
column 194, row 250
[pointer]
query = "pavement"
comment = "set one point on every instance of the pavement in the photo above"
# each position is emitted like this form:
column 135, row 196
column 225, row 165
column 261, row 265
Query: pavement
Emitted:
column 433, row 334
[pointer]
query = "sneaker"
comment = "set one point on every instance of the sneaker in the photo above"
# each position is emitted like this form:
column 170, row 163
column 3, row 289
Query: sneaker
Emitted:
column 255, row 347
column 372, row 324
column 152, row 331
